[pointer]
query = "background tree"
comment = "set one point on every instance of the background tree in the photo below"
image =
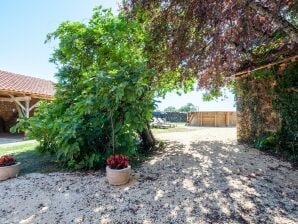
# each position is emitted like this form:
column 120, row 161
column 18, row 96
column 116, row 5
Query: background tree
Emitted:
column 170, row 109
column 104, row 89
column 213, row 39
column 189, row 107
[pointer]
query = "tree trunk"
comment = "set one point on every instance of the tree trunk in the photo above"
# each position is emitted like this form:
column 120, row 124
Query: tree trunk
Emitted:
column 148, row 140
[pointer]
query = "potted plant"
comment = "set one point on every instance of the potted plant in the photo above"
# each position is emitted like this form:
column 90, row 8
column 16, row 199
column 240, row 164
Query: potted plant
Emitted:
column 118, row 169
column 9, row 167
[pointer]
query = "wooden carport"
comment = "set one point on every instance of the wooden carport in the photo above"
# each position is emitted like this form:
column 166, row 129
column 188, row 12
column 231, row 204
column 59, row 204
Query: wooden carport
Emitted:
column 20, row 94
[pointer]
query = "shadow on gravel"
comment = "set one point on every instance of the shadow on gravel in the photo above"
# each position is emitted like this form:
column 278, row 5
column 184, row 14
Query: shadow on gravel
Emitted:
column 216, row 182
column 33, row 161
column 202, row 182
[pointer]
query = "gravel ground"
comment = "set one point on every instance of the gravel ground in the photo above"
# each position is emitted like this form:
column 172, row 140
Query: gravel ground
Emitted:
column 201, row 177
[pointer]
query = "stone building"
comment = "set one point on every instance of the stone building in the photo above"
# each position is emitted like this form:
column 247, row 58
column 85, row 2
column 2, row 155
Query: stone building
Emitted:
column 19, row 95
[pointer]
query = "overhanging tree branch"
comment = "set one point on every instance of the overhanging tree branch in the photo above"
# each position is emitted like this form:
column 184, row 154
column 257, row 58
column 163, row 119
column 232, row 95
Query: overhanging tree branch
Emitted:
column 287, row 27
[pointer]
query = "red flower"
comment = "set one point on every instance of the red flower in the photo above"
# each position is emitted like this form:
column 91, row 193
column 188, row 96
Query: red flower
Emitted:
column 7, row 160
column 117, row 162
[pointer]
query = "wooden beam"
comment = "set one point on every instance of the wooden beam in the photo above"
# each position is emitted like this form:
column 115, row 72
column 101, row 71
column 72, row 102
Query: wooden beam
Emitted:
column 20, row 105
column 22, row 98
column 247, row 72
column 20, row 111
column 33, row 106
column 23, row 110
column 33, row 95
column 6, row 99
column 12, row 98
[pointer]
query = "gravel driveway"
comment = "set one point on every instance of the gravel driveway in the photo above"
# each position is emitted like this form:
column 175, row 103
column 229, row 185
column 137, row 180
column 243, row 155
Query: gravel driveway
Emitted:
column 201, row 177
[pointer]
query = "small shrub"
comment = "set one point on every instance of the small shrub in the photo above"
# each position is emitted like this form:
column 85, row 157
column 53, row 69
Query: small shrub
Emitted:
column 266, row 142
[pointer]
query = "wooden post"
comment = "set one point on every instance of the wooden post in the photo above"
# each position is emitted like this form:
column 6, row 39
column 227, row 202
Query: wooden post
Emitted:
column 192, row 115
column 27, row 105
column 20, row 111
column 215, row 122
column 228, row 119
column 187, row 119
column 201, row 118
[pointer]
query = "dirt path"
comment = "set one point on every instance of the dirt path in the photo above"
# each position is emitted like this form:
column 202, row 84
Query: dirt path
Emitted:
column 201, row 177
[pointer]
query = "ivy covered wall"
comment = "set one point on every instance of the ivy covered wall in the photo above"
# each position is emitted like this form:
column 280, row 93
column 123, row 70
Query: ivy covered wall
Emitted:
column 268, row 110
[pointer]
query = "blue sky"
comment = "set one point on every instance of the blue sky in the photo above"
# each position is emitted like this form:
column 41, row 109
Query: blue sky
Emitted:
column 25, row 24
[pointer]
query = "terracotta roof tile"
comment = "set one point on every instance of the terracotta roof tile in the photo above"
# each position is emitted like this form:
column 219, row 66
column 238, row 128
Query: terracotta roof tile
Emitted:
column 12, row 82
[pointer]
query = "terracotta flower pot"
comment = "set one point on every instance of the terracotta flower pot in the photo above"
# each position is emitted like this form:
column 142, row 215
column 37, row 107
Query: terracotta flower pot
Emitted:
column 118, row 177
column 7, row 172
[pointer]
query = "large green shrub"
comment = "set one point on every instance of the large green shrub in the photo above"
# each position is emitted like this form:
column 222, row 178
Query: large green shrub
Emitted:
column 103, row 88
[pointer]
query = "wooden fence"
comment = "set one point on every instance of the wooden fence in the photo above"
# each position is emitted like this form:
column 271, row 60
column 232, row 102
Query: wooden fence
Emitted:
column 212, row 118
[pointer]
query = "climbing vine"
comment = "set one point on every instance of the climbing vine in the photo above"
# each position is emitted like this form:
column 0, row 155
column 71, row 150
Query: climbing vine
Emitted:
column 286, row 103
column 268, row 108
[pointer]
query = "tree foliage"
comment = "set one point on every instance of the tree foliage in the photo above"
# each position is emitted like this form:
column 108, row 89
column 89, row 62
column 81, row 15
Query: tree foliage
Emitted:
column 189, row 107
column 213, row 39
column 170, row 109
column 103, row 89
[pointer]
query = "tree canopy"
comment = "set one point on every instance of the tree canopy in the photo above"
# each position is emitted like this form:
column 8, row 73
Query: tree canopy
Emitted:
column 104, row 95
column 189, row 107
column 170, row 109
column 211, row 40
